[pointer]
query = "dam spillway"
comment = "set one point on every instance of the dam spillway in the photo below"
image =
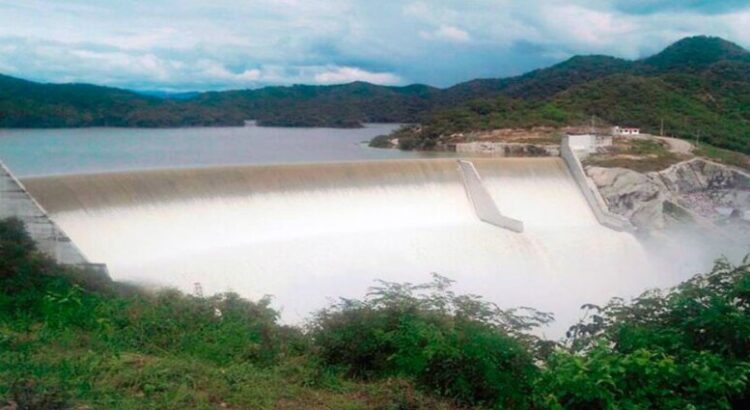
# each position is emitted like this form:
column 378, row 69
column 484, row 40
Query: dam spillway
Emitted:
column 306, row 233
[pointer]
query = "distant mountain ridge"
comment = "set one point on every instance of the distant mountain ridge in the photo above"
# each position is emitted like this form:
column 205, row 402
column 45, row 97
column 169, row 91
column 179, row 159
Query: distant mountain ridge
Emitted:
column 697, row 87
column 697, row 53
column 26, row 104
column 696, row 83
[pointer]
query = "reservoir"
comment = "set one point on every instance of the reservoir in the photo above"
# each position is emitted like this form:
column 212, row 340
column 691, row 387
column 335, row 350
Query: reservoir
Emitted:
column 86, row 150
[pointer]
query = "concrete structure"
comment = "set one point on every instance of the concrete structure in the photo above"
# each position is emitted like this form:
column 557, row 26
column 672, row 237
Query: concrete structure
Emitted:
column 508, row 149
column 483, row 204
column 581, row 142
column 590, row 191
column 16, row 202
column 602, row 141
column 617, row 130
column 585, row 144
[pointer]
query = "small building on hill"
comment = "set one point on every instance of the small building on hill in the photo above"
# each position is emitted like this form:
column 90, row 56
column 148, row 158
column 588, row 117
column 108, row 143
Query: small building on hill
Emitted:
column 619, row 131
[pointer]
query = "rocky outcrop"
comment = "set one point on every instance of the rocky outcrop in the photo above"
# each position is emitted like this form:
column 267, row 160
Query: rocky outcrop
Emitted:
column 631, row 194
column 701, row 175
column 708, row 188
column 691, row 189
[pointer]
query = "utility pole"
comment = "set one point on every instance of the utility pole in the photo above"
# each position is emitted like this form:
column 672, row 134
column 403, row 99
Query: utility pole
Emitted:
column 661, row 130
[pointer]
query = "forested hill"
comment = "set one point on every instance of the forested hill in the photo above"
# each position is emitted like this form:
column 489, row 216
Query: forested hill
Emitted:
column 345, row 105
column 699, row 84
column 29, row 104
column 26, row 104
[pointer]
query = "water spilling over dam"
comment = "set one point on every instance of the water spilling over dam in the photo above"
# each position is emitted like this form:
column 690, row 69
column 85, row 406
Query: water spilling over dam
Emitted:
column 308, row 232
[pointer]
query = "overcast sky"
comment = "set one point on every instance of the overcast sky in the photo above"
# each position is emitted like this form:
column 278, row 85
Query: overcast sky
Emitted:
column 183, row 45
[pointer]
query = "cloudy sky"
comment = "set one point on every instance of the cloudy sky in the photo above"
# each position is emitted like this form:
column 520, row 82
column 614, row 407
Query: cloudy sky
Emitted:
column 180, row 45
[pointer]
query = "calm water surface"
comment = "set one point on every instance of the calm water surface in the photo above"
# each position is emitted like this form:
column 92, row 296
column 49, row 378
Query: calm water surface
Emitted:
column 38, row 152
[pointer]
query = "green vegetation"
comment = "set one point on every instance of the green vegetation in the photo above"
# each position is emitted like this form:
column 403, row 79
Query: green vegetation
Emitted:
column 724, row 156
column 697, row 53
column 500, row 112
column 382, row 141
column 456, row 346
column 25, row 104
column 697, row 86
column 70, row 339
column 346, row 105
column 640, row 155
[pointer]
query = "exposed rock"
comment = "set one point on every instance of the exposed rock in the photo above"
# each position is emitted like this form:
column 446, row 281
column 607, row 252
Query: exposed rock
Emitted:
column 694, row 188
column 707, row 188
column 631, row 194
column 701, row 175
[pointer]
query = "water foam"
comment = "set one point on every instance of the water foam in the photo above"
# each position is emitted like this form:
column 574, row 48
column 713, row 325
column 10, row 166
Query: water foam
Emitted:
column 306, row 233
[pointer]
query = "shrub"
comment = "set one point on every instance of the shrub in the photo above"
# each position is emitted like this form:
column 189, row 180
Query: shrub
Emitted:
column 457, row 346
column 381, row 141
column 688, row 346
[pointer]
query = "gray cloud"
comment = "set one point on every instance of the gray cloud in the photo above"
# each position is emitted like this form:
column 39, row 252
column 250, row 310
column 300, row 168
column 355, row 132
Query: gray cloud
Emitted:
column 191, row 44
column 659, row 6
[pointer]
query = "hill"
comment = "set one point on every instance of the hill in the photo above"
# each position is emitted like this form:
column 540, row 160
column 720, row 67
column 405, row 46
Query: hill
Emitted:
column 696, row 85
column 26, row 104
column 345, row 105
column 696, row 53
column 544, row 82
column 699, row 86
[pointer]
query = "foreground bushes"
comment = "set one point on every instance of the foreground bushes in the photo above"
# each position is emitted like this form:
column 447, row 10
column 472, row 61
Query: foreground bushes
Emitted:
column 689, row 346
column 68, row 338
column 456, row 346
column 222, row 328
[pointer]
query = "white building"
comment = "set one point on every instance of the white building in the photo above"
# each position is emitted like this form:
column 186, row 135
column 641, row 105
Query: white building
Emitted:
column 617, row 130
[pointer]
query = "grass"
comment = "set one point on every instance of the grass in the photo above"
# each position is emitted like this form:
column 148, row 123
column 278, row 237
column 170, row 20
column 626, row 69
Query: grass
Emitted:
column 39, row 371
column 648, row 155
column 724, row 156
column 641, row 155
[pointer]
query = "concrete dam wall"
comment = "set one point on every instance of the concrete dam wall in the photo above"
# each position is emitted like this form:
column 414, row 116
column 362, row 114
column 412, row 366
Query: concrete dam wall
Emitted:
column 16, row 202
column 307, row 233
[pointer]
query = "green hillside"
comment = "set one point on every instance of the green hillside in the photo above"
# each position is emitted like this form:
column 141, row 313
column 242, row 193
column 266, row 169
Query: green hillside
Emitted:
column 346, row 105
column 26, row 104
column 698, row 87
column 696, row 54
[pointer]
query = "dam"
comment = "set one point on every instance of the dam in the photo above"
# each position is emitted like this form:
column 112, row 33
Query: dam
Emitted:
column 309, row 233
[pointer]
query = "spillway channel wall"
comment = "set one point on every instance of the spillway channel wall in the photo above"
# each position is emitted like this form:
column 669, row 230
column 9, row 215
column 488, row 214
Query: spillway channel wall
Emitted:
column 484, row 206
column 591, row 192
column 15, row 201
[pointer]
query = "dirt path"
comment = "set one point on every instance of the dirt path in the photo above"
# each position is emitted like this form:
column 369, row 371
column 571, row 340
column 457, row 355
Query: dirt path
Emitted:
column 677, row 145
